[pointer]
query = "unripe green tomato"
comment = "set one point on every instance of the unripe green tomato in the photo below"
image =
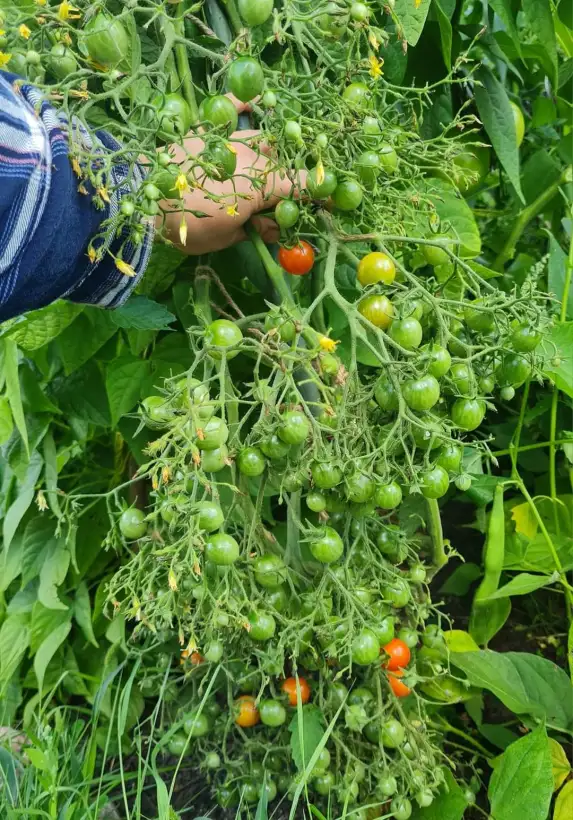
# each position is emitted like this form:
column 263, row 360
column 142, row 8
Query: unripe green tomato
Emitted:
column 388, row 158
column 371, row 127
column 468, row 414
column 255, row 12
column 397, row 593
column 277, row 599
column 151, row 191
column 295, row 427
column 197, row 724
column 486, row 384
column 450, row 457
column 287, row 213
column 223, row 158
column 386, row 395
column 214, row 652
column 316, row 502
column 357, row 96
column 518, row 121
column 212, row 435
column 433, row 254
column 524, row 339
column 388, row 496
column 270, row 570
column 406, row 332
column 463, row 379
column 62, row 61
column 359, row 12
column 149, row 207
column 251, row 462
column 368, row 168
column 132, row 524
column 263, row 626
column 222, row 549
column 384, row 629
column 421, row 394
column 463, row 482
column 274, row 448
column 127, row 207
column 323, row 189
column 324, row 783
column 392, row 734
column 513, row 370
column 359, row 488
column 245, row 78
column 321, row 141
column 440, row 360
column 33, row 57
column 178, row 745
column 435, row 482
column 220, row 112
column 173, row 116
column 293, row 131
column 401, row 808
column 209, row 515
column 163, row 159
column 347, row 195
column 418, row 573
column 17, row 63
column 212, row 761
column 106, row 40
column 269, row 99
column 387, row 786
column 272, row 713
column 327, row 546
column 223, row 335
column 479, row 320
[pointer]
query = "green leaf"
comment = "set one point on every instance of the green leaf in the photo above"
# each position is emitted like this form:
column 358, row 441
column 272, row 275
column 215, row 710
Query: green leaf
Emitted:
column 503, row 10
column 83, row 613
column 560, row 765
column 411, row 16
column 521, row 784
column 449, row 803
column 24, row 497
column 13, row 389
column 445, row 33
column 84, row 337
column 558, row 345
column 48, row 649
column 123, row 385
column 38, row 541
column 564, row 804
column 306, row 734
column 526, row 684
column 523, row 584
column 497, row 735
column 160, row 271
column 142, row 313
column 487, row 618
column 52, row 575
column 456, row 215
column 459, row 641
column 83, row 395
column 539, row 172
column 6, row 420
column 497, row 116
column 461, row 579
column 43, row 622
column 536, row 555
column 538, row 15
column 10, row 774
column 14, row 641
column 556, row 271
column 39, row 327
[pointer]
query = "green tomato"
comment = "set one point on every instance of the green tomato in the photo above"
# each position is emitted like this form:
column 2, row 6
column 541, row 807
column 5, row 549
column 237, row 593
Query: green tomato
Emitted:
column 388, row 496
column 263, row 626
column 486, row 384
column 255, row 12
column 513, row 370
column 450, row 457
column 347, row 195
column 209, row 515
column 156, row 411
column 173, row 115
column 178, row 745
column 223, row 159
column 365, row 648
column 222, row 549
column 245, row 78
column 223, row 336
column 371, row 127
column 386, row 395
column 214, row 651
column 368, row 168
column 401, row 808
column 472, row 167
column 388, row 158
column 132, row 524
column 518, row 121
column 220, row 112
column 357, row 96
column 524, row 339
column 433, row 254
column 212, row 435
column 325, row 475
column 440, row 360
column 316, row 502
column 287, row 213
column 278, row 599
column 62, row 61
column 479, row 320
column 212, row 761
column 323, row 189
column 324, row 783
column 392, row 734
column 359, row 488
column 251, row 462
column 464, row 482
column 384, row 629
column 409, row 636
column 274, row 448
column 212, row 461
column 105, row 40
column 463, row 379
column 293, row 131
column 270, row 571
column 197, row 724
column 272, row 713
column 406, row 332
column 435, row 482
column 295, row 427
column 421, row 394
column 227, row 796
column 327, row 546
column 359, row 12
column 397, row 592
column 468, row 414
column 387, row 786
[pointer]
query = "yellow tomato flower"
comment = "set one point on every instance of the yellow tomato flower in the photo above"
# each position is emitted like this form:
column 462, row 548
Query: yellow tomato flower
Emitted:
column 24, row 31
column 124, row 267
column 376, row 64
column 183, row 230
column 232, row 210
column 181, row 184
column 4, row 59
column 326, row 343
column 68, row 12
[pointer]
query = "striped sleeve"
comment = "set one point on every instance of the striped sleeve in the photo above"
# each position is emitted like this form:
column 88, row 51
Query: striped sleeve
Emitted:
column 49, row 214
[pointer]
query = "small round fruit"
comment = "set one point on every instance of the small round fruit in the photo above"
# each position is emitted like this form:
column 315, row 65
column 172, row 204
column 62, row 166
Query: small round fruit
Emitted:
column 255, row 12
column 359, row 488
column 401, row 808
column 289, row 687
column 418, row 573
column 246, row 712
column 396, row 685
column 376, row 267
column 435, row 482
column 450, row 457
column 368, row 168
column 365, row 648
column 323, row 189
column 384, row 629
column 178, row 745
column 524, row 339
column 251, row 462
column 295, row 427
column 222, row 336
column 392, row 734
column 468, row 414
column 407, row 333
column 327, row 546
column 507, row 393
column 316, row 502
column 220, row 111
column 359, row 12
column 272, row 713
column 212, row 461
column 421, row 394
column 274, row 448
column 270, row 571
column 287, row 213
column 324, row 783
column 440, row 360
column 297, row 260
column 347, row 195
column 397, row 592
column 222, row 549
column 433, row 254
column 197, row 724
column 212, row 761
column 209, row 515
column 245, row 78
column 388, row 158
column 263, row 626
column 132, row 524
column 388, row 496
column 387, row 786
column 518, row 121
column 377, row 309
column 212, row 435
column 386, row 395
column 214, row 651
column 293, row 131
column 357, row 96
column 325, row 475
column 463, row 379
column 399, row 654
column 513, row 370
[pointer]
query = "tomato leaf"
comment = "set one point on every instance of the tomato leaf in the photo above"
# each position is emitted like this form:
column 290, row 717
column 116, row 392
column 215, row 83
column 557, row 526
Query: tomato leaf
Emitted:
column 445, row 33
column 461, row 579
column 23, row 499
column 412, row 16
column 503, row 10
column 38, row 327
column 487, row 618
column 83, row 613
column 52, row 575
column 564, row 803
column 526, row 684
column 43, row 622
column 306, row 734
column 123, row 384
column 141, row 313
column 81, row 340
column 521, row 784
column 459, row 641
column 556, row 350
column 497, row 116
column 538, row 15
column 160, row 271
column 456, row 216
column 48, row 649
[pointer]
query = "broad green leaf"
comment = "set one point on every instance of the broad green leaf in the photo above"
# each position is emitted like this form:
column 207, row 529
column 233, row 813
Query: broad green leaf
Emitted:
column 141, row 313
column 526, row 684
column 38, row 541
column 539, row 172
column 536, row 555
column 411, row 15
column 459, row 641
column 556, row 350
column 523, row 584
column 498, row 735
column 23, row 499
column 497, row 116
column 13, row 389
column 461, row 579
column 538, row 15
column 445, row 33
column 44, row 621
column 564, row 804
column 503, row 10
column 14, row 641
column 560, row 765
column 48, row 649
column 524, row 517
column 481, row 270
column 449, row 803
column 83, row 613
column 52, row 575
column 84, row 337
column 456, row 215
column 37, row 328
column 160, row 270
column 83, row 395
column 556, row 270
column 6, row 420
column 123, row 385
column 487, row 618
column 306, row 734
column 521, row 784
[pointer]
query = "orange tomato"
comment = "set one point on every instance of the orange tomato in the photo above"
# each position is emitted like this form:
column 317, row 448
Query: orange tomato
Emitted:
column 297, row 260
column 400, row 689
column 289, row 688
column 399, row 655
column 246, row 712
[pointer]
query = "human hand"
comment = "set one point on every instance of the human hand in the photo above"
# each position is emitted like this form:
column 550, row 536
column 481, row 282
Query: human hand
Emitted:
column 256, row 185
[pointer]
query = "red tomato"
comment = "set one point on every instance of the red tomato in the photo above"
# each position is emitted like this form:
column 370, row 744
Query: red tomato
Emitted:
column 246, row 712
column 400, row 689
column 297, row 260
column 289, row 688
column 399, row 655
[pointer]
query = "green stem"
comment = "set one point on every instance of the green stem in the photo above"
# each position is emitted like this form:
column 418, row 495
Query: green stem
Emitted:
column 234, row 15
column 527, row 447
column 453, row 730
column 274, row 271
column 183, row 66
column 517, row 435
column 434, row 524
column 525, row 217
column 201, row 301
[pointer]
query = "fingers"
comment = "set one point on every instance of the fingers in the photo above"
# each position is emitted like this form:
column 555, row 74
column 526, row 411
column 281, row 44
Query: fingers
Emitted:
column 267, row 228
column 241, row 107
